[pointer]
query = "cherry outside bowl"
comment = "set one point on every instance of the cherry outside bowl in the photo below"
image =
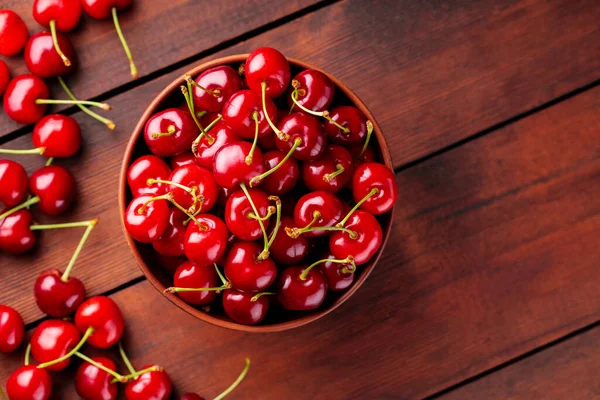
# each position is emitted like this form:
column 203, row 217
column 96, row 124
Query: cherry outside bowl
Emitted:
column 276, row 319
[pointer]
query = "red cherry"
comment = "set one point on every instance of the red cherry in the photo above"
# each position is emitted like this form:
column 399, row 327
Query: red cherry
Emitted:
column 56, row 297
column 315, row 90
column 104, row 316
column 221, row 135
column 155, row 385
column 207, row 243
column 377, row 184
column 198, row 177
column 331, row 172
column 92, row 383
column 238, row 213
column 360, row 156
column 222, row 82
column 182, row 159
column 243, row 307
column 42, row 59
column 53, row 339
column 29, row 383
column 13, row 183
column 170, row 243
column 350, row 118
column 144, row 168
column 55, row 187
column 284, row 178
column 339, row 276
column 301, row 293
column 238, row 114
column 169, row 264
column 20, row 99
column 318, row 209
column 101, row 9
column 189, row 275
column 230, row 167
column 64, row 13
column 286, row 250
column 59, row 136
column 12, row 329
column 4, row 76
column 170, row 132
column 13, row 33
column 146, row 220
column 190, row 396
column 245, row 271
column 307, row 128
column 16, row 236
column 366, row 243
column 266, row 64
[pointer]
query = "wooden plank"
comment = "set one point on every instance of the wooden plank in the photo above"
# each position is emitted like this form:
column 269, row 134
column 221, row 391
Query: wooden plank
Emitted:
column 568, row 370
column 159, row 33
column 493, row 253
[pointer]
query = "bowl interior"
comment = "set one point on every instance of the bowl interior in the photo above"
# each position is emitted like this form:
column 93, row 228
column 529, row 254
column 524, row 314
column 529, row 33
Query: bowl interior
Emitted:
column 277, row 319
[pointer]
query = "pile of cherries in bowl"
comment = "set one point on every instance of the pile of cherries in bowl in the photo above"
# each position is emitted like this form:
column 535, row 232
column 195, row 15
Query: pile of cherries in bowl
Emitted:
column 265, row 190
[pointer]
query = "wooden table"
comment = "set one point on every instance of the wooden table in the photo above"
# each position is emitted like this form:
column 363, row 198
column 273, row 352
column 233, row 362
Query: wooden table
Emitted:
column 489, row 285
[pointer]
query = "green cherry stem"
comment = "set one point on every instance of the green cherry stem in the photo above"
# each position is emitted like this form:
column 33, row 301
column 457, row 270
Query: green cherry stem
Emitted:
column 26, row 204
column 132, row 67
column 324, row 114
column 39, row 150
column 118, row 377
column 251, row 153
column 188, row 78
column 262, row 225
column 295, row 232
column 190, row 103
column 170, row 132
column 85, row 337
column 259, row 295
column 169, row 197
column 368, row 138
column 196, row 141
column 154, row 368
column 339, row 169
column 103, row 106
column 254, row 181
column 277, row 223
column 236, row 383
column 105, row 121
column 126, row 359
column 282, row 136
column 270, row 211
column 64, row 58
column 27, row 354
column 347, row 260
column 50, row 161
column 191, row 190
column 217, row 289
column 224, row 280
column 372, row 193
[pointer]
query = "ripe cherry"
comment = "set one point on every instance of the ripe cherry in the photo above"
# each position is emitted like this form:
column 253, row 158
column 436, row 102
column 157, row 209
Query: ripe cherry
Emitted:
column 244, row 269
column 144, row 168
column 53, row 339
column 21, row 99
column 286, row 250
column 57, row 297
column 4, row 76
column 350, row 118
column 362, row 154
column 182, row 159
column 240, row 111
column 103, row 315
column 146, row 219
column 331, row 172
column 13, row 33
column 245, row 307
column 170, row 132
column 198, row 178
column 42, row 58
column 221, row 135
column 12, row 329
column 57, row 15
column 230, row 168
column 307, row 128
column 240, row 216
column 155, row 385
column 16, row 236
column 55, row 188
column 29, row 382
column 190, row 275
column 301, row 288
column 284, row 178
column 362, row 243
column 313, row 90
column 339, row 276
column 206, row 241
column 267, row 67
column 374, row 188
column 170, row 243
column 13, row 183
column 214, row 87
column 315, row 210
column 92, row 383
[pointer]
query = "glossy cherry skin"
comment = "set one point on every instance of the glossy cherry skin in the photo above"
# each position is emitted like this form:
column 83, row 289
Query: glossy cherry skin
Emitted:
column 297, row 294
column 283, row 179
column 317, row 90
column 102, row 9
column 307, row 128
column 230, row 168
column 149, row 386
column 238, row 306
column 55, row 186
column 367, row 156
column 12, row 329
column 337, row 279
column 182, row 159
column 237, row 114
column 4, row 76
column 144, row 168
column 13, row 183
column 245, row 271
column 202, row 246
column 370, row 176
column 184, row 133
column 351, row 118
column 53, row 339
column 170, row 243
column 222, row 135
column 104, row 316
column 266, row 64
column 222, row 78
column 29, row 383
column 20, row 96
column 194, row 176
column 365, row 245
column 42, row 59
column 151, row 224
column 13, row 33
column 190, row 396
column 16, row 236
column 190, row 275
column 314, row 173
column 238, row 209
column 58, row 134
column 56, row 297
column 92, row 383
column 327, row 204
column 66, row 13
column 286, row 250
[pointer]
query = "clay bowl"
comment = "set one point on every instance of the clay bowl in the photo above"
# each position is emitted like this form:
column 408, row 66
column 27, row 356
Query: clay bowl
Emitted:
column 277, row 319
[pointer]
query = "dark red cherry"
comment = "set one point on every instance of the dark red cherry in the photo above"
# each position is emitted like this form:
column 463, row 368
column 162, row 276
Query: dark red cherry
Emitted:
column 222, row 134
column 238, row 212
column 13, row 183
column 55, row 186
column 266, row 64
column 238, row 111
column 4, row 76
column 104, row 316
column 13, row 33
column 29, row 383
column 374, row 177
column 59, row 136
column 307, row 128
column 317, row 209
column 296, row 292
column 366, row 243
column 53, row 339
column 12, row 329
column 190, row 275
column 154, row 385
column 64, row 13
column 16, row 236
column 198, row 177
column 286, row 250
column 206, row 244
column 182, row 159
column 170, row 132
column 144, row 168
column 146, row 220
column 315, row 90
column 351, row 118
column 56, row 297
column 339, row 276
column 230, row 167
column 283, row 179
column 92, row 383
column 42, row 59
column 101, row 9
column 240, row 306
column 222, row 81
column 170, row 243
column 20, row 99
column 331, row 172
column 245, row 271
column 361, row 157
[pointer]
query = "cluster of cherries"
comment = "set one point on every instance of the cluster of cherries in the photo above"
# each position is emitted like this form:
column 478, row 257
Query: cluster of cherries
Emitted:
column 258, row 190
column 49, row 54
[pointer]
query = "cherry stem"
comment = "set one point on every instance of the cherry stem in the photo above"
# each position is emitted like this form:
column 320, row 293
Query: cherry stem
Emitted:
column 324, row 114
column 154, row 368
column 85, row 337
column 132, row 67
column 190, row 103
column 281, row 135
column 368, row 138
column 251, row 153
column 118, row 377
column 254, row 181
column 126, row 359
column 258, row 295
column 27, row 354
column 25, row 204
column 215, row 93
column 64, row 58
column 373, row 192
column 169, row 197
column 105, row 121
column 170, row 131
column 270, row 211
column 103, row 106
column 50, row 161
column 329, row 177
column 191, row 190
column 224, row 280
column 204, row 289
column 196, row 141
column 262, row 225
column 295, row 232
column 39, row 150
column 236, row 383
column 347, row 260
column 277, row 225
